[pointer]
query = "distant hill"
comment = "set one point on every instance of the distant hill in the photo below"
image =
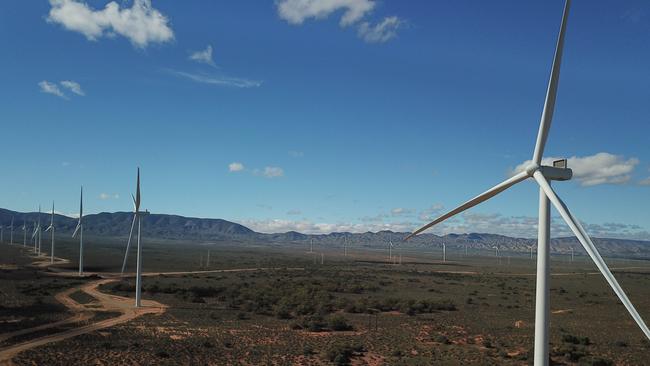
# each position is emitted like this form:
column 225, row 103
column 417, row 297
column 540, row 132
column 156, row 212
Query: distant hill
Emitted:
column 174, row 227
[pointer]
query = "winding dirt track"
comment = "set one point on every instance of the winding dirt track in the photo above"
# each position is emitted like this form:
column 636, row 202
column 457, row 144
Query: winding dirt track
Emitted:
column 84, row 312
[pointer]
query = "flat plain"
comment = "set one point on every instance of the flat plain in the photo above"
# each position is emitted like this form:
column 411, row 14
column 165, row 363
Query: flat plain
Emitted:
column 278, row 305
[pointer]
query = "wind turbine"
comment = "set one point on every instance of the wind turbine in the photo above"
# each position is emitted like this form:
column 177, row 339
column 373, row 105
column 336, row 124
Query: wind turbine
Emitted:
column 34, row 237
column 11, row 235
column 531, row 251
column 311, row 248
column 543, row 175
column 137, row 216
column 24, row 233
column 40, row 230
column 444, row 252
column 390, row 248
column 51, row 227
column 80, row 229
column 571, row 254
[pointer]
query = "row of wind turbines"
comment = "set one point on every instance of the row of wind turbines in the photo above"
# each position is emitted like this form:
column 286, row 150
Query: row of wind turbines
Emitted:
column 79, row 229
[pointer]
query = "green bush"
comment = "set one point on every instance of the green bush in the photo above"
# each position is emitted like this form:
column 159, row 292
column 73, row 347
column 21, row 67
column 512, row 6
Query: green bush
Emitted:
column 338, row 323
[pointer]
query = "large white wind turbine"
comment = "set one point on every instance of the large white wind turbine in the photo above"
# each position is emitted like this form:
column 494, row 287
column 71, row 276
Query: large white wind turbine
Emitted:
column 80, row 230
column 137, row 215
column 51, row 228
column 543, row 175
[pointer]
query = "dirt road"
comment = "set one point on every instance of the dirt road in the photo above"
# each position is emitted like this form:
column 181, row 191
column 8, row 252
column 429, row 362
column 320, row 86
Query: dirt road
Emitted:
column 104, row 302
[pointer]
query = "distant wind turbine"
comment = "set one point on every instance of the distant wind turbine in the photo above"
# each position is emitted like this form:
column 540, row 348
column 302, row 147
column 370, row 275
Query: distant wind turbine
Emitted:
column 542, row 176
column 390, row 248
column 24, row 232
column 51, row 228
column 40, row 230
column 11, row 227
column 80, row 230
column 444, row 252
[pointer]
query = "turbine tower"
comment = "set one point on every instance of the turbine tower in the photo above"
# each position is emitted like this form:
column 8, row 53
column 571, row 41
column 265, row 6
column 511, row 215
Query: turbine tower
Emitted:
column 390, row 248
column 39, row 230
column 24, row 233
column 80, row 229
column 137, row 216
column 51, row 228
column 444, row 252
column 543, row 174
column 11, row 235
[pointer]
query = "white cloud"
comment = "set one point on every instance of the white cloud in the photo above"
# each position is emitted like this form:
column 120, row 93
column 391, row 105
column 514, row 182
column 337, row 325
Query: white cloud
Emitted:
column 51, row 88
column 601, row 168
column 107, row 196
column 308, row 227
column 645, row 182
column 297, row 11
column 73, row 86
column 204, row 57
column 141, row 23
column 235, row 167
column 401, row 211
column 381, row 32
column 273, row 172
column 294, row 212
column 353, row 11
column 469, row 222
column 217, row 79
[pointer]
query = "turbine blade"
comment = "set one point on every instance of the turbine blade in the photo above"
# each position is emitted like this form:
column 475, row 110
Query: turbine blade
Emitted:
column 75, row 230
column 128, row 244
column 589, row 246
column 474, row 201
column 551, row 92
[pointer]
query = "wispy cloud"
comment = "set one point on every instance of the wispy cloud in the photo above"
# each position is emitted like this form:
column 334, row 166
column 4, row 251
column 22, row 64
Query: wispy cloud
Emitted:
column 645, row 182
column 141, row 24
column 51, row 88
column 273, row 172
column 601, row 168
column 221, row 80
column 108, row 196
column 633, row 15
column 73, row 86
column 381, row 32
column 235, row 167
column 294, row 212
column 296, row 154
column 295, row 12
column 204, row 56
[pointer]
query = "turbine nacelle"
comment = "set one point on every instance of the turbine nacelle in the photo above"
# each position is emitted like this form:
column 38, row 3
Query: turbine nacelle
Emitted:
column 559, row 170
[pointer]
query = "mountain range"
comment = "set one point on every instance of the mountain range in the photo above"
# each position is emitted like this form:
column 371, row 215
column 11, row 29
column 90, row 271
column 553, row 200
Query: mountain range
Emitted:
column 204, row 230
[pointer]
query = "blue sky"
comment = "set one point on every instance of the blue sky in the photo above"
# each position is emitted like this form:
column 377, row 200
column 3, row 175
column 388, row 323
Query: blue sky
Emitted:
column 342, row 115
